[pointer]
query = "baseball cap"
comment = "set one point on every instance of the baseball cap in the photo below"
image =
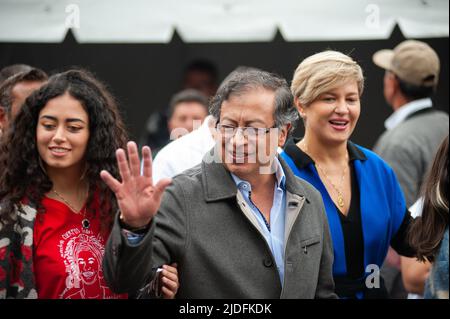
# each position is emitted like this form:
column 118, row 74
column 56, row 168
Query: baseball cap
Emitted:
column 414, row 62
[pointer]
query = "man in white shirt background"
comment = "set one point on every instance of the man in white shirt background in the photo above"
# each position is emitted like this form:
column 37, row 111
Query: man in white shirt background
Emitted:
column 188, row 151
column 185, row 152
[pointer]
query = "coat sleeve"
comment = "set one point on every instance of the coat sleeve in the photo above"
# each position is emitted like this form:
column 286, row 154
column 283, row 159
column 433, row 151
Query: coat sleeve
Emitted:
column 127, row 268
column 16, row 257
column 325, row 286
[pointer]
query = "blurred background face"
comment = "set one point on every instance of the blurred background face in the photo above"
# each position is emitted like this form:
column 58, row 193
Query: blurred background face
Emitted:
column 244, row 155
column 62, row 133
column 332, row 117
column 183, row 117
column 201, row 81
column 20, row 92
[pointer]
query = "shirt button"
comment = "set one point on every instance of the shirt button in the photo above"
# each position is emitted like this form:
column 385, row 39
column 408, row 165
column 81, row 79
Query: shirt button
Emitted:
column 268, row 262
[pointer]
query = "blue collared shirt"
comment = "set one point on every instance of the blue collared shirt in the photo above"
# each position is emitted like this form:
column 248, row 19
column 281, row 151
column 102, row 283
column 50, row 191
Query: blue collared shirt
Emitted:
column 274, row 235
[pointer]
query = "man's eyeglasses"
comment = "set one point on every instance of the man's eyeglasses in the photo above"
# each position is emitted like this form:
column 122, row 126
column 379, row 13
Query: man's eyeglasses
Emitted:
column 229, row 131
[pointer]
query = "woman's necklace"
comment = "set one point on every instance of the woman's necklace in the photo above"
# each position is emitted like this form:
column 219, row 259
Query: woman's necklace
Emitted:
column 338, row 190
column 85, row 222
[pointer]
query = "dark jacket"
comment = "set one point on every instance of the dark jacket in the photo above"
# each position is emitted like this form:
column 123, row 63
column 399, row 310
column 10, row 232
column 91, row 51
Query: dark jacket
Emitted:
column 204, row 226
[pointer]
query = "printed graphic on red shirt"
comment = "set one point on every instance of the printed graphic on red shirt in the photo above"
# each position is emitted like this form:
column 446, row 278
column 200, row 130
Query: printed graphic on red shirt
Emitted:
column 82, row 253
column 67, row 256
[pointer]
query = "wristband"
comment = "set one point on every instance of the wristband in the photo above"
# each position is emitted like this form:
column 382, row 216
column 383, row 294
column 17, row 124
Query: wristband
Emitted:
column 136, row 230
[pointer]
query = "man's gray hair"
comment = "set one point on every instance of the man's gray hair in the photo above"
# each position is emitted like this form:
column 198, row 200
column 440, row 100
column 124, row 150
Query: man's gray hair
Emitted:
column 244, row 79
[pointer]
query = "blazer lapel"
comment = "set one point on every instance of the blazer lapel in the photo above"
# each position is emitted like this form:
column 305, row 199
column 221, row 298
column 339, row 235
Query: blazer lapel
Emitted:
column 217, row 181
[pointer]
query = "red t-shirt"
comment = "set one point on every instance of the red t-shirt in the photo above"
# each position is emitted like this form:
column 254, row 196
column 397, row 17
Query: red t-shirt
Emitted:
column 67, row 257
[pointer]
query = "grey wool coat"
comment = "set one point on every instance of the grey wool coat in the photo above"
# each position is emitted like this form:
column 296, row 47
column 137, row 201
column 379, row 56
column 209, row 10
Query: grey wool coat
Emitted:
column 205, row 226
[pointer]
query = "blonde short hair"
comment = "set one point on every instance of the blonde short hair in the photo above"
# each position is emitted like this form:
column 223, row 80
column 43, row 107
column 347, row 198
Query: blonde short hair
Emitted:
column 323, row 72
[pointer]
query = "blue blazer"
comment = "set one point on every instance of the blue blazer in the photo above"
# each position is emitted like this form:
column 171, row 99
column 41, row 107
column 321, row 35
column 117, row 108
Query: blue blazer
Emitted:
column 382, row 206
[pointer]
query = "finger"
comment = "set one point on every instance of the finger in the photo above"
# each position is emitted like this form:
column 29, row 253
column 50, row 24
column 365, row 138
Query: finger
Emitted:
column 147, row 156
column 133, row 157
column 112, row 183
column 122, row 162
column 167, row 293
column 171, row 269
column 160, row 187
column 172, row 285
column 171, row 276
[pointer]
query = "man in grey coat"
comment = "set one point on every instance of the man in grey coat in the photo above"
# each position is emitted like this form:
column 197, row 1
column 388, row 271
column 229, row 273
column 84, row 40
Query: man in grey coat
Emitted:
column 240, row 224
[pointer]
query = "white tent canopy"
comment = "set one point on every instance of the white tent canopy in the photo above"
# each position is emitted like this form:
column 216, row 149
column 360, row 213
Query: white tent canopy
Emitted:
column 154, row 21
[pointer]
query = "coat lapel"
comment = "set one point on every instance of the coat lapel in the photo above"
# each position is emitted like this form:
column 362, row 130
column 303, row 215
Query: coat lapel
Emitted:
column 219, row 185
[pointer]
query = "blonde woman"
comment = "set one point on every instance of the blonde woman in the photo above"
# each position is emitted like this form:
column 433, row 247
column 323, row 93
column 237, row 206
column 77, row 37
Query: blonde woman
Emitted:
column 364, row 204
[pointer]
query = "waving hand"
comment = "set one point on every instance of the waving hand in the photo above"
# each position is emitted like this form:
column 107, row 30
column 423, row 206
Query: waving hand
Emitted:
column 137, row 197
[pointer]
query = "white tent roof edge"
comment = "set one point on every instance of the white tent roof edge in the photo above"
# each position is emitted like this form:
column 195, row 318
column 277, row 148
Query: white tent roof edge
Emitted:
column 155, row 21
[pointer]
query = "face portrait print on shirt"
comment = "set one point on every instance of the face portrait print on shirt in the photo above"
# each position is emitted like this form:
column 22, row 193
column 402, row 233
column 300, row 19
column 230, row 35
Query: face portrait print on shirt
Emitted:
column 82, row 253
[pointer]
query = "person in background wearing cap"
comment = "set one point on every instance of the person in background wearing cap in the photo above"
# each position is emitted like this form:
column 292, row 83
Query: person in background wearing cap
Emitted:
column 415, row 129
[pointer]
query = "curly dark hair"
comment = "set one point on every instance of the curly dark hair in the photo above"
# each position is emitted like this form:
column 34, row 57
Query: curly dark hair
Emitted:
column 20, row 173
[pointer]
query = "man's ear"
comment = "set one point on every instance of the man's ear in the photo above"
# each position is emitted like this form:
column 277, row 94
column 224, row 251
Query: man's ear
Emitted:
column 392, row 81
column 395, row 83
column 284, row 133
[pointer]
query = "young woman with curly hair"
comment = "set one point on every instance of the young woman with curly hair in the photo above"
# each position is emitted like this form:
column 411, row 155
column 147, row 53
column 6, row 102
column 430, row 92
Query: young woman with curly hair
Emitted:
column 55, row 212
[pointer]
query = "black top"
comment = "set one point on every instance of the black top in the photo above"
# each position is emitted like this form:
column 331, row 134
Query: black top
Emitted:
column 352, row 228
column 352, row 231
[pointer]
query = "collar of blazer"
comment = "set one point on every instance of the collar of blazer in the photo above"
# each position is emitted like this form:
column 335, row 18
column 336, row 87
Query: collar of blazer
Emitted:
column 219, row 185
